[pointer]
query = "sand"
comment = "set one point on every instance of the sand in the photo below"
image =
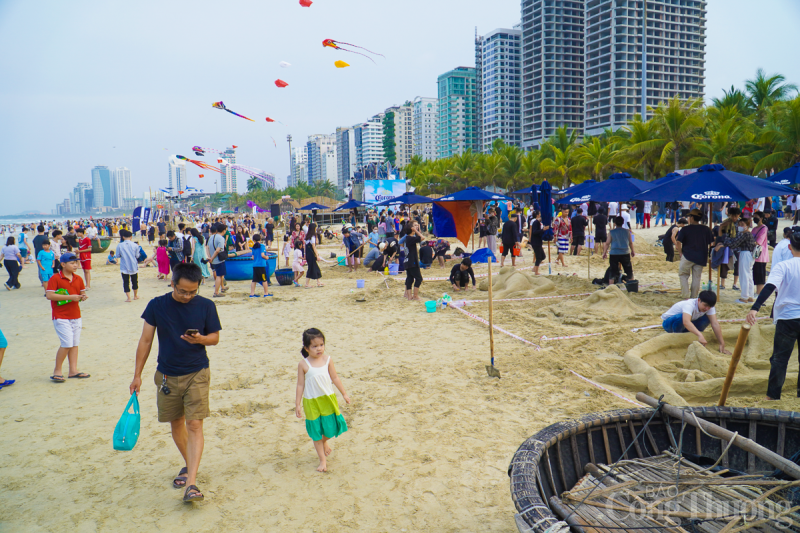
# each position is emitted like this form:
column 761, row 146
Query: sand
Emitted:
column 430, row 434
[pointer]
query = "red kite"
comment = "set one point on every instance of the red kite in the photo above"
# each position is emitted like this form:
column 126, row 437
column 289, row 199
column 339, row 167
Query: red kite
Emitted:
column 336, row 46
column 281, row 83
column 306, row 3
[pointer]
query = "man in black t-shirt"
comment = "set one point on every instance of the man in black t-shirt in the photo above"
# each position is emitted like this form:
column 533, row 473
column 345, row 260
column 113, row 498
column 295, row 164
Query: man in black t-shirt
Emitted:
column 162, row 228
column 579, row 224
column 694, row 242
column 510, row 238
column 186, row 323
column 460, row 275
column 600, row 228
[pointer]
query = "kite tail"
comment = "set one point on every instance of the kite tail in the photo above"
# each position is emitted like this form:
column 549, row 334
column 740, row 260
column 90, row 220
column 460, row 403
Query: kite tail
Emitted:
column 359, row 53
column 361, row 47
column 238, row 115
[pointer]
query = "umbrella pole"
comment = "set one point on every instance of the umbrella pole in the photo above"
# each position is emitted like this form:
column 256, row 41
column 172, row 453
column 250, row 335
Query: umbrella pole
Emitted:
column 710, row 270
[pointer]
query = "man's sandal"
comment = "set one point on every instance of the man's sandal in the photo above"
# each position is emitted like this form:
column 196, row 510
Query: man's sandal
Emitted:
column 193, row 494
column 180, row 480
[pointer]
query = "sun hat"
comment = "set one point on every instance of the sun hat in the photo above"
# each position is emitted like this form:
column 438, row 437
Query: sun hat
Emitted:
column 696, row 213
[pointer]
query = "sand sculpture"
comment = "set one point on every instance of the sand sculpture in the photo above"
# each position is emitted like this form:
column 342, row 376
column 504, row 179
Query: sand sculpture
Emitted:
column 511, row 283
column 688, row 373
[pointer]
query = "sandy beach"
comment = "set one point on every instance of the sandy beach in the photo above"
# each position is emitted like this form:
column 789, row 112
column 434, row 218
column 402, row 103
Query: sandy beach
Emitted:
column 430, row 435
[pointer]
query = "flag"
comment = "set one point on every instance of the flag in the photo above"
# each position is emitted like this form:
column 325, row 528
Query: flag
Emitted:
column 452, row 219
column 137, row 216
column 146, row 216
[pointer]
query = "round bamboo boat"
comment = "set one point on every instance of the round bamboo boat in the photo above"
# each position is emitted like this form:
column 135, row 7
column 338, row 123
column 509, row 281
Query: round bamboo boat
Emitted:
column 557, row 459
column 100, row 244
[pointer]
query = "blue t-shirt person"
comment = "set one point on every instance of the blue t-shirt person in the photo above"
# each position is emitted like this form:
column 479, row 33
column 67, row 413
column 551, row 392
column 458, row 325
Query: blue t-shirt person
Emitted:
column 259, row 261
column 171, row 318
column 46, row 259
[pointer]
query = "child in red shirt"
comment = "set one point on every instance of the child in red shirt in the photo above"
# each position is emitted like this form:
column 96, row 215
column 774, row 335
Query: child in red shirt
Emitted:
column 85, row 253
column 64, row 290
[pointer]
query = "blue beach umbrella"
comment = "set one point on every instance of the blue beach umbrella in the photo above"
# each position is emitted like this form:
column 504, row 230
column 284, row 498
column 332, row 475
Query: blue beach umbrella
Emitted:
column 351, row 205
column 546, row 199
column 575, row 189
column 578, row 194
column 407, row 198
column 713, row 183
column 473, row 194
column 790, row 176
column 312, row 206
column 617, row 188
column 660, row 181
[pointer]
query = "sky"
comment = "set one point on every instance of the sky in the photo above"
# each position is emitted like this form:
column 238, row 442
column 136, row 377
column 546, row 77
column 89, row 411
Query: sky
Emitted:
column 94, row 82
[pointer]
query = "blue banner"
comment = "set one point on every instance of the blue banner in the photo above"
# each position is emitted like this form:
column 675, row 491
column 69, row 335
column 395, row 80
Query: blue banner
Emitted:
column 137, row 217
column 146, row 217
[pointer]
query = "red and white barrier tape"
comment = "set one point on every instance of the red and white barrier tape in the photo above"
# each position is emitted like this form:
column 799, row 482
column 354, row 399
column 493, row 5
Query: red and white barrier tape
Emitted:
column 720, row 321
column 479, row 319
column 498, row 328
column 546, row 338
column 620, row 396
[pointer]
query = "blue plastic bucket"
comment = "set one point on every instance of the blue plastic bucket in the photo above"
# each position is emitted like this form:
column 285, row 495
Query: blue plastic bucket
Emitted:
column 394, row 268
column 430, row 306
column 359, row 284
column 342, row 261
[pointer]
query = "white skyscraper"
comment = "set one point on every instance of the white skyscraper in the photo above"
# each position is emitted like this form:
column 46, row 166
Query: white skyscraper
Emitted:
column 426, row 113
column 299, row 161
column 401, row 126
column 177, row 175
column 369, row 141
column 318, row 146
column 498, row 60
column 121, row 181
column 228, row 176
column 346, row 158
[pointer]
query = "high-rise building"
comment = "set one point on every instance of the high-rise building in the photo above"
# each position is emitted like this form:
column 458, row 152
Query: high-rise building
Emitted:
column 346, row 159
column 122, row 187
column 79, row 203
column 457, row 112
column 426, row 116
column 552, row 67
column 299, row 173
column 369, row 141
column 498, row 60
column 398, row 134
column 177, row 175
column 317, row 147
column 228, row 176
column 674, row 59
column 102, row 187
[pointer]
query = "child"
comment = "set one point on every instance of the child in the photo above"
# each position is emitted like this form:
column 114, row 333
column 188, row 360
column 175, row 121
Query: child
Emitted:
column 287, row 249
column 316, row 376
column 112, row 260
column 45, row 260
column 297, row 265
column 163, row 259
column 260, row 267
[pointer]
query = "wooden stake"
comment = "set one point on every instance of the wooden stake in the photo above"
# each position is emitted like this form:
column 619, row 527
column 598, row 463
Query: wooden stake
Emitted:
column 737, row 354
column 744, row 443
column 718, row 267
column 490, row 369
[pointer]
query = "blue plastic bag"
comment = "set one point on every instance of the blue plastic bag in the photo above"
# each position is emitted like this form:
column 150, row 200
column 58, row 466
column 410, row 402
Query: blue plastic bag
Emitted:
column 127, row 431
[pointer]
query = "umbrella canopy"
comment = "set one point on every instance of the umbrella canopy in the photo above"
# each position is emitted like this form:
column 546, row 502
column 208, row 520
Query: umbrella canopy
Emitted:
column 713, row 183
column 352, row 204
column 524, row 190
column 312, row 206
column 407, row 198
column 472, row 194
column 546, row 199
column 790, row 176
column 617, row 188
column 578, row 193
column 660, row 181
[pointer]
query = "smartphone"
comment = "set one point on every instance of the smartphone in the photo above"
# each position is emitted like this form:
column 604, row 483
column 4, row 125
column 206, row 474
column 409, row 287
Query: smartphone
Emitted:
column 191, row 332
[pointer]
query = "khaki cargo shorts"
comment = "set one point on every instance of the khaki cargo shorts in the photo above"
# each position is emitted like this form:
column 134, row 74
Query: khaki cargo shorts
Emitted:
column 188, row 396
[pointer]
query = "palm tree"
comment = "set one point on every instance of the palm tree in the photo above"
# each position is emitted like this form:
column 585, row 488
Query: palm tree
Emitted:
column 562, row 164
column 734, row 98
column 595, row 157
column 511, row 166
column 727, row 143
column 780, row 139
column 253, row 184
column 677, row 123
column 764, row 91
column 462, row 168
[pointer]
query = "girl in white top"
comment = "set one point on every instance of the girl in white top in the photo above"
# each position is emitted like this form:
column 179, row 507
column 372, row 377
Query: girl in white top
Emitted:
column 297, row 264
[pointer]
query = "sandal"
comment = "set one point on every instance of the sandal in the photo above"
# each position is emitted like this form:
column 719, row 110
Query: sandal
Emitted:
column 8, row 382
column 176, row 483
column 193, row 494
column 58, row 379
column 80, row 375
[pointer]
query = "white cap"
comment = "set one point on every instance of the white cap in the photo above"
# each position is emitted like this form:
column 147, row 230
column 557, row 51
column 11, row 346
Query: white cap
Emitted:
column 624, row 207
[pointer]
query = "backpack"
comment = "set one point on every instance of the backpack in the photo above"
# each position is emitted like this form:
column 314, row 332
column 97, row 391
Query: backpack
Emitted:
column 187, row 249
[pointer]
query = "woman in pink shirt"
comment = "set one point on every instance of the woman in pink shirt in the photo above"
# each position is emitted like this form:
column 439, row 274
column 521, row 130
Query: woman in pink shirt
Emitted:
column 760, row 232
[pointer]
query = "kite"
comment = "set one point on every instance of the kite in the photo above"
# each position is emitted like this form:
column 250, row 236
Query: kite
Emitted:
column 284, row 64
column 199, row 164
column 270, row 120
column 336, row 46
column 281, row 83
column 220, row 105
column 200, row 151
column 341, row 64
column 273, row 141
column 273, row 120
column 306, row 3
column 202, row 175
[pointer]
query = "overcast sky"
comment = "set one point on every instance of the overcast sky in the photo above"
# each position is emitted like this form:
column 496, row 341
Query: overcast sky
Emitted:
column 95, row 82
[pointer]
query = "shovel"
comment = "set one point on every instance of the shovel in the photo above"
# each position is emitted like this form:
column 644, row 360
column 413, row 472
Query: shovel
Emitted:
column 490, row 369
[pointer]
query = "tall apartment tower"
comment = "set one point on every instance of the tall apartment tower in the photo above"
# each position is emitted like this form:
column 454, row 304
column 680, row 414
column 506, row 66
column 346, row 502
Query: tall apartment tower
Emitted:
column 102, row 186
column 674, row 58
column 122, row 187
column 498, row 60
column 425, row 117
column 552, row 66
column 228, row 176
column 177, row 175
column 369, row 141
column 318, row 147
column 299, row 161
column 398, row 122
column 457, row 112
column 79, row 204
column 347, row 160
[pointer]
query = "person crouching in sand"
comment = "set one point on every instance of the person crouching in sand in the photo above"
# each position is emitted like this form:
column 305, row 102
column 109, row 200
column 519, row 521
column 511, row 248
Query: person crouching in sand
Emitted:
column 316, row 397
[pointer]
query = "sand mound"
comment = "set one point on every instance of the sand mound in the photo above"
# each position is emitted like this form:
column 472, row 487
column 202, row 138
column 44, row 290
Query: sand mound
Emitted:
column 511, row 283
column 610, row 302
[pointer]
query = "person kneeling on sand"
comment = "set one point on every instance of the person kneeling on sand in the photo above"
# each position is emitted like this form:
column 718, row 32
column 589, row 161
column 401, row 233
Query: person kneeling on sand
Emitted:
column 694, row 316
column 186, row 324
